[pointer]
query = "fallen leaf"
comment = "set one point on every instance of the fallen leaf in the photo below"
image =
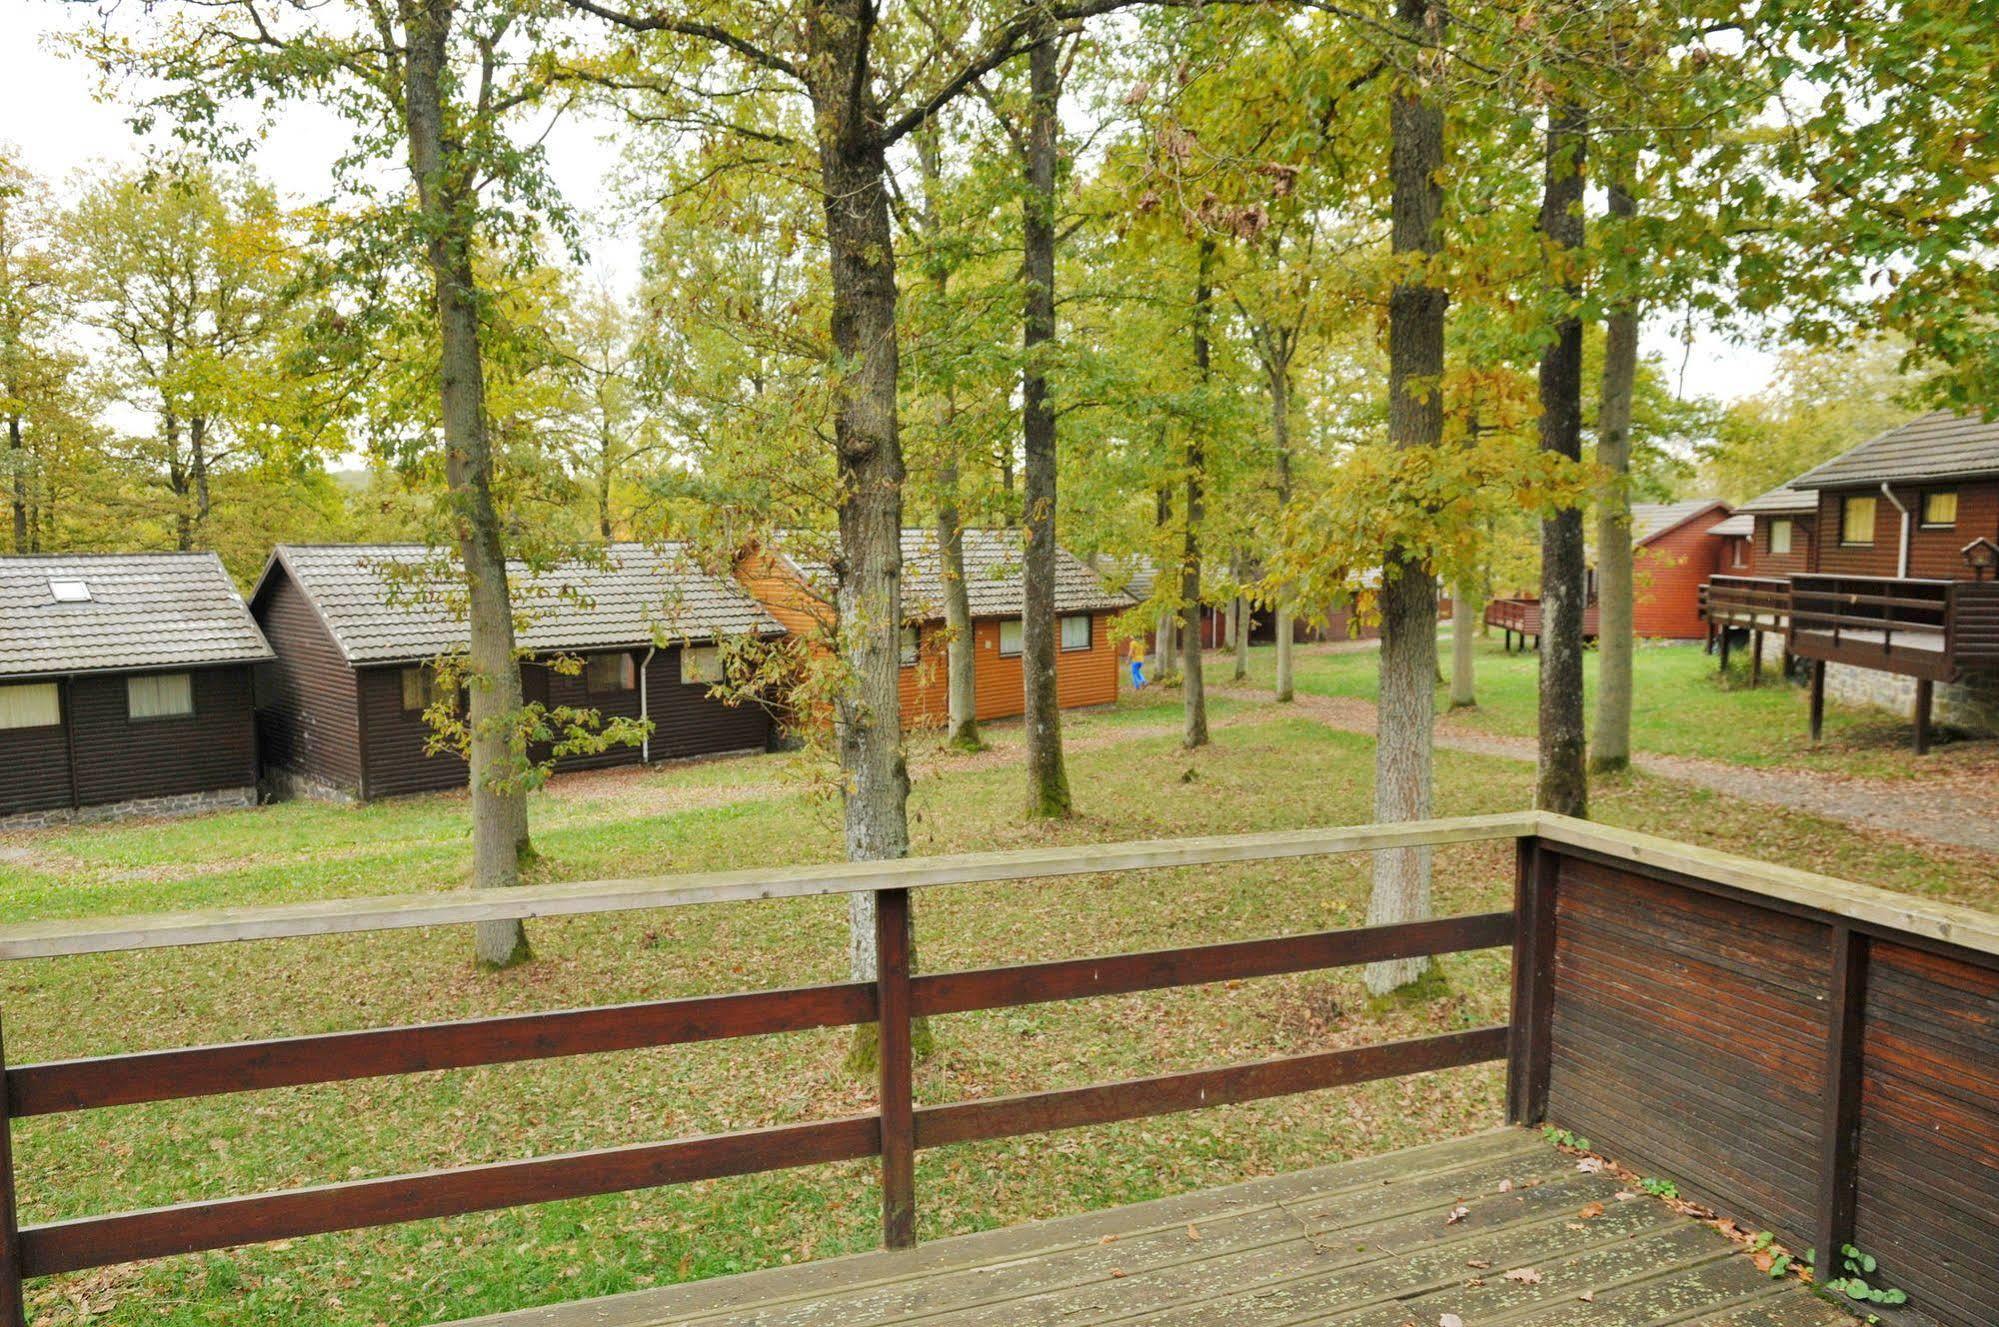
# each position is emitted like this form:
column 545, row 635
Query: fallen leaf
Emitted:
column 1193, row 1233
column 1587, row 1297
column 1506, row 1186
column 1526, row 1276
column 1591, row 1211
column 1450, row 1320
column 1117, row 1272
column 1480, row 1263
column 1458, row 1213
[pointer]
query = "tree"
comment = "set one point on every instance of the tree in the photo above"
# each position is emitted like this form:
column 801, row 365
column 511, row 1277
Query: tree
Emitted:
column 1610, row 750
column 1193, row 689
column 185, row 273
column 611, row 429
column 433, row 86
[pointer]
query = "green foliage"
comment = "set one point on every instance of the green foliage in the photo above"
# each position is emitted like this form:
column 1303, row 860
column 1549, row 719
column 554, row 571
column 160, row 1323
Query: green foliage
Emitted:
column 1855, row 1267
column 1659, row 1188
column 1563, row 1138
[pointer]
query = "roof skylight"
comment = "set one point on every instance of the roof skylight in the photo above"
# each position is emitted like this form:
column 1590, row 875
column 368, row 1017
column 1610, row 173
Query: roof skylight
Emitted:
column 70, row 592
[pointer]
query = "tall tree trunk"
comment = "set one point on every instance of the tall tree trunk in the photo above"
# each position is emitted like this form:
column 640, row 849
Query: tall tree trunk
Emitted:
column 853, row 173
column 1047, row 779
column 1611, row 749
column 1280, row 436
column 1416, row 312
column 197, row 470
column 961, row 659
column 1242, row 620
column 1194, row 699
column 1464, row 625
column 606, row 461
column 18, row 447
column 1563, row 784
column 1162, row 654
column 444, row 197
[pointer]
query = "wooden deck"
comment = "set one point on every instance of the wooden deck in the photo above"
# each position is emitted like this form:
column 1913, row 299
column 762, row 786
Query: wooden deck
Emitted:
column 1369, row 1243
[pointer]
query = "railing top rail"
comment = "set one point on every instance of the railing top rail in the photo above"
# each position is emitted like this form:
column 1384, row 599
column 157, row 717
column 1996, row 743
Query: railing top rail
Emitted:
column 97, row 935
column 1801, row 576
column 1951, row 923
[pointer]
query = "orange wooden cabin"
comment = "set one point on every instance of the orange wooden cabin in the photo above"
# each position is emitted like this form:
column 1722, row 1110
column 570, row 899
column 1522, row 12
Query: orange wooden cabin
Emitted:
column 794, row 582
column 1675, row 549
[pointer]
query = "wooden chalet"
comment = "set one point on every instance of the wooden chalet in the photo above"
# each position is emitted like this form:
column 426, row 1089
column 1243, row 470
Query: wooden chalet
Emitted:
column 356, row 629
column 1793, row 1054
column 1676, row 548
column 793, row 579
column 1898, row 574
column 125, row 686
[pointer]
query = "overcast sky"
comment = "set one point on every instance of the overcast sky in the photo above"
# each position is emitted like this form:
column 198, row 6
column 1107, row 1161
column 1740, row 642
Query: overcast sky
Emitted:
column 49, row 110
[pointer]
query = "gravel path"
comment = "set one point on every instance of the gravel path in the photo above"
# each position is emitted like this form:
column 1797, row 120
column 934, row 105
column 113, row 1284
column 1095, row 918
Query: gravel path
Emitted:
column 1953, row 814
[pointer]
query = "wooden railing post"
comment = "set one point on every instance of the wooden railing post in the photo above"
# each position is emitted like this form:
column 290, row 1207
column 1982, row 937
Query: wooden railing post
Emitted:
column 1840, row 1135
column 1528, row 1051
column 13, row 1310
column 898, row 1090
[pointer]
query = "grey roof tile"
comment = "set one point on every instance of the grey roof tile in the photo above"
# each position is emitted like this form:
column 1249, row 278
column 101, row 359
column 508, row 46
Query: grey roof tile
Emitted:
column 1739, row 526
column 1649, row 520
column 1780, row 501
column 1940, row 445
column 992, row 574
column 397, row 603
column 144, row 611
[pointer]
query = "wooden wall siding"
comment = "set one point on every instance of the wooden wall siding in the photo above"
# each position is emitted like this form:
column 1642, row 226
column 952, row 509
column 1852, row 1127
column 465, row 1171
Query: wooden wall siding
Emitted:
column 1689, row 1040
column 1762, row 562
column 1082, row 677
column 393, row 757
column 308, row 717
column 687, row 722
column 1670, row 572
column 34, row 768
column 117, row 760
column 1932, row 553
column 1929, row 1132
column 772, row 583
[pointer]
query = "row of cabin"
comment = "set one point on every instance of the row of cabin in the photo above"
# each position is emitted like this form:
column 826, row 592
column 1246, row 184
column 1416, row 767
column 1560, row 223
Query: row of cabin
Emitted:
column 145, row 682
column 1884, row 561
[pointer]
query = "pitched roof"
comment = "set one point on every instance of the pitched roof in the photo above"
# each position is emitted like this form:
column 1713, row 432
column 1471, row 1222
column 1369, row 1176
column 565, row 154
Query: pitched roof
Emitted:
column 1649, row 520
column 135, row 611
column 1739, row 526
column 1940, row 445
column 1137, row 573
column 992, row 574
column 391, row 603
column 1780, row 501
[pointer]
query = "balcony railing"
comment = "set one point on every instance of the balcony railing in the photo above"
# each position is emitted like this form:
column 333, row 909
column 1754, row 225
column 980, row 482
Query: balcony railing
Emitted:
column 1520, row 616
column 1704, row 1017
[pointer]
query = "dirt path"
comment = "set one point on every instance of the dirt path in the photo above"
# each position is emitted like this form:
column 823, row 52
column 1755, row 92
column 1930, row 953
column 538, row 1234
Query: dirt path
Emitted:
column 1949, row 814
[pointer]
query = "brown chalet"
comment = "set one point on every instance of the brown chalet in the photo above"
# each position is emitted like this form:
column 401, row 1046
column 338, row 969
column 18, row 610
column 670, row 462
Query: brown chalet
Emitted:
column 356, row 636
column 1888, row 587
column 125, row 687
column 793, row 579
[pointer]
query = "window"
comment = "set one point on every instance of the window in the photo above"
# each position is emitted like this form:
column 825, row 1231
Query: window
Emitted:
column 70, row 592
column 1939, row 509
column 30, row 705
column 610, row 672
column 159, row 696
column 1076, row 632
column 419, row 689
column 1780, row 534
column 1856, row 520
column 909, row 645
column 700, row 664
column 1010, row 638
column 1740, row 550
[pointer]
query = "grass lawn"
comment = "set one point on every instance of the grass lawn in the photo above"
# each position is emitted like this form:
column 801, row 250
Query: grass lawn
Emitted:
column 1266, row 769
column 1680, row 707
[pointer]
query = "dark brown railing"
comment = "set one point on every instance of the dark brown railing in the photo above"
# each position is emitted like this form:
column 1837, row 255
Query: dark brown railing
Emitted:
column 1762, row 603
column 1520, row 616
column 1708, row 1018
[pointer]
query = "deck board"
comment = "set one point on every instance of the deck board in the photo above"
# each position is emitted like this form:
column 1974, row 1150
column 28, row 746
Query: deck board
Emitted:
column 1361, row 1244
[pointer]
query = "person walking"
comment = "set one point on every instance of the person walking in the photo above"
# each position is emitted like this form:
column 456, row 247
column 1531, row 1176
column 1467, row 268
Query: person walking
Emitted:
column 1138, row 663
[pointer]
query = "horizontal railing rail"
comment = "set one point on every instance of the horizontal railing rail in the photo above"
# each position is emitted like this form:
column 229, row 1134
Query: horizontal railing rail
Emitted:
column 898, row 1128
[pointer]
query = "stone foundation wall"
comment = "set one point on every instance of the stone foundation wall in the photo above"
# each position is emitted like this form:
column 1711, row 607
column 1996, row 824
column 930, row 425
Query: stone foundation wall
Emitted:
column 1972, row 704
column 284, row 785
column 179, row 804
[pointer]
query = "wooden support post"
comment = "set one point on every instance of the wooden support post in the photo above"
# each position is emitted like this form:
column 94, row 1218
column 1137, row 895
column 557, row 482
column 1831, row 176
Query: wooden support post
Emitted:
column 1755, row 659
column 13, row 1309
column 1839, row 1139
column 898, row 1089
column 1529, row 1055
column 1724, row 651
column 1925, row 699
column 1818, row 698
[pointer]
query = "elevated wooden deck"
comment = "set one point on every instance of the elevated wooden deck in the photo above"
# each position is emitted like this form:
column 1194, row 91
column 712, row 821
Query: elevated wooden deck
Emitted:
column 1407, row 1237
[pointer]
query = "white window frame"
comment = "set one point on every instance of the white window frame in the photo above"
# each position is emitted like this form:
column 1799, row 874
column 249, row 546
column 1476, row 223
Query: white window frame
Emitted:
column 1089, row 632
column 148, row 696
column 1789, row 529
column 700, row 665
column 1019, row 638
column 39, row 705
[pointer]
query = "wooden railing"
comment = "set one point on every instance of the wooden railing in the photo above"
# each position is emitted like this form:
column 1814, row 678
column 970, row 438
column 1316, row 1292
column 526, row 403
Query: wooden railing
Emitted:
column 1687, row 1009
column 1520, row 616
column 1760, row 602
